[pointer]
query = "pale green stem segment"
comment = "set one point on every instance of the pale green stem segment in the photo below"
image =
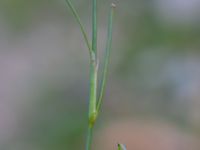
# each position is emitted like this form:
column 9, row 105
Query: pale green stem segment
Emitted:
column 94, row 26
column 93, row 77
column 93, row 68
column 89, row 138
column 121, row 147
column 69, row 3
column 93, row 92
column 106, row 57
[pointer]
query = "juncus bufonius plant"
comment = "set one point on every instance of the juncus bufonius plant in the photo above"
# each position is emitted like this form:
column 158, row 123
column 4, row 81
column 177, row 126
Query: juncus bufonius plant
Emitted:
column 96, row 95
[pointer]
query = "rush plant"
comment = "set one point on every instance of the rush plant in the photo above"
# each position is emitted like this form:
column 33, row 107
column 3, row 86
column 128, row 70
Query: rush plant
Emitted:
column 96, row 95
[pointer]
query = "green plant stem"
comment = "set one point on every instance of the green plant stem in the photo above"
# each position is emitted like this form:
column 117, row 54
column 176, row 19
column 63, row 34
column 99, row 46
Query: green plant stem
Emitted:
column 92, row 100
column 93, row 92
column 94, row 26
column 93, row 77
column 94, row 106
column 69, row 3
column 106, row 57
column 89, row 138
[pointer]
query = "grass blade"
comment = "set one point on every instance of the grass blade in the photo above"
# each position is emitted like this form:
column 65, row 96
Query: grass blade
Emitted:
column 106, row 57
column 70, row 5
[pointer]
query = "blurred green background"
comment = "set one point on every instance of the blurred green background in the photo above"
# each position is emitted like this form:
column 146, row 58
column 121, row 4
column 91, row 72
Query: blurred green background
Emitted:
column 153, row 87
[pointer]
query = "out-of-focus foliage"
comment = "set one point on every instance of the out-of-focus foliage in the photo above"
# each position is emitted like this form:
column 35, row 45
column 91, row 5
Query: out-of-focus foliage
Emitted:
column 18, row 13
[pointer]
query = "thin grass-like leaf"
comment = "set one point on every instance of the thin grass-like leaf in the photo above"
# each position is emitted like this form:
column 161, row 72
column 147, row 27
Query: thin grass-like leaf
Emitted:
column 72, row 8
column 106, row 57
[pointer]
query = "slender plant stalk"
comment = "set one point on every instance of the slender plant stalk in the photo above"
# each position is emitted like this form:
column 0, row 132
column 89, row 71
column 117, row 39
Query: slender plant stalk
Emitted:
column 94, row 26
column 93, row 78
column 89, row 138
column 93, row 116
column 94, row 105
column 92, row 101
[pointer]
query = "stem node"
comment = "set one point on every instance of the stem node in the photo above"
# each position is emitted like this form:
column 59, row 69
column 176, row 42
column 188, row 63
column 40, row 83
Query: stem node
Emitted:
column 92, row 119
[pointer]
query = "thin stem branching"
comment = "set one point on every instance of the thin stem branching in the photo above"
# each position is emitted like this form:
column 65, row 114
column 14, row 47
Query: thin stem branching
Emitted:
column 95, row 100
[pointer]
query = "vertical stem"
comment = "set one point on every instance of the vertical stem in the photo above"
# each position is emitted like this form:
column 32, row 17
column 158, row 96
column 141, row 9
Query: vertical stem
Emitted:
column 93, row 77
column 93, row 106
column 89, row 138
column 94, row 26
column 93, row 92
column 92, row 101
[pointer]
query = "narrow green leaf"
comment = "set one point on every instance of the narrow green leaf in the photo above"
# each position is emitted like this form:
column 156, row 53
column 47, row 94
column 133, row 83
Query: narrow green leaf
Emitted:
column 106, row 57
column 70, row 5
